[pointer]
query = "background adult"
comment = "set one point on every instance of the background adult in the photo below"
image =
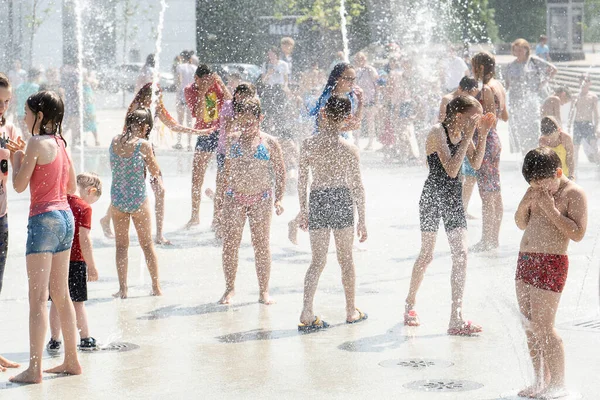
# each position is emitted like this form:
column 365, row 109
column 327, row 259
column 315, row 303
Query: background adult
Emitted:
column 526, row 80
column 184, row 77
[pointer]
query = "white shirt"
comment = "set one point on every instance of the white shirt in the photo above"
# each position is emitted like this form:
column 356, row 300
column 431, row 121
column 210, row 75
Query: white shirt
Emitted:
column 454, row 71
column 186, row 76
column 280, row 72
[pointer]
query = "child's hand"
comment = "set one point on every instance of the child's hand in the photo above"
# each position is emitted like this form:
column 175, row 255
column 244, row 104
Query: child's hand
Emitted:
column 545, row 201
column 278, row 208
column 359, row 93
column 303, row 221
column 361, row 231
column 92, row 274
column 16, row 146
column 486, row 122
column 471, row 125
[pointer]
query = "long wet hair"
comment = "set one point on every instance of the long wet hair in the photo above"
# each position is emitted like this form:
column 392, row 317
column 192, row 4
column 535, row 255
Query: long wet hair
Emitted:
column 4, row 83
column 142, row 116
column 52, row 107
column 145, row 93
column 488, row 62
column 459, row 104
column 332, row 81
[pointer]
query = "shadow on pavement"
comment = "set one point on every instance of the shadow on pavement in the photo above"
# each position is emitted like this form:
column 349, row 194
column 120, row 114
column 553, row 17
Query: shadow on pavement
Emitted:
column 390, row 340
column 202, row 309
column 260, row 334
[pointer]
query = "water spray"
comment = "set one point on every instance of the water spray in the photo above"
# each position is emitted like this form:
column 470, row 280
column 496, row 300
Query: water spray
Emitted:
column 156, row 72
column 344, row 29
column 79, row 34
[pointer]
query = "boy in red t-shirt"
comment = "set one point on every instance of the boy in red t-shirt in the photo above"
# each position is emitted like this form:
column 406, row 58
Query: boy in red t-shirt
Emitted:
column 82, row 267
column 204, row 97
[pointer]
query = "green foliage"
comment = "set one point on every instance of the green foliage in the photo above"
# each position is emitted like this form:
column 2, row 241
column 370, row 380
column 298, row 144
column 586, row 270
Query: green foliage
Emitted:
column 36, row 18
column 326, row 13
column 520, row 19
column 591, row 27
column 475, row 21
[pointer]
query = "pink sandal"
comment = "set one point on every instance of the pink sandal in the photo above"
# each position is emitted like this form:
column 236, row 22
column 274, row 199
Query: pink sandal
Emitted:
column 466, row 329
column 411, row 318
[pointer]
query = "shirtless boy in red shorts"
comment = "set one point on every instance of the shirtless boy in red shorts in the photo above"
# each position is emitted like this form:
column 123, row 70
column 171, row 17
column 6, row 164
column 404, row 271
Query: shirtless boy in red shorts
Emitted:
column 552, row 212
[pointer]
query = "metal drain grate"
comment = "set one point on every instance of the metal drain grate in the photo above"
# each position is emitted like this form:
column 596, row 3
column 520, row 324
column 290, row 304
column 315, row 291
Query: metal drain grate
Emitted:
column 589, row 325
column 115, row 347
column 415, row 364
column 593, row 325
column 443, row 385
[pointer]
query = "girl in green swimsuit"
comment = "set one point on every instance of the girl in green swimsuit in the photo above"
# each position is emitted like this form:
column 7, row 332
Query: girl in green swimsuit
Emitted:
column 129, row 157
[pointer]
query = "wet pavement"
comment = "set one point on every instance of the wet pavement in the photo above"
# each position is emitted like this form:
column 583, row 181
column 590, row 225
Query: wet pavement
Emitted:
column 190, row 347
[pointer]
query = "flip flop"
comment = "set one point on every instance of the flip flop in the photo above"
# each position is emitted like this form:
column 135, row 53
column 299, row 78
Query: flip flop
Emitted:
column 361, row 317
column 467, row 329
column 411, row 318
column 316, row 325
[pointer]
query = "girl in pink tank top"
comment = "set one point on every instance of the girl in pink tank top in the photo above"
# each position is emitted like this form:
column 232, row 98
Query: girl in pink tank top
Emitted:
column 44, row 166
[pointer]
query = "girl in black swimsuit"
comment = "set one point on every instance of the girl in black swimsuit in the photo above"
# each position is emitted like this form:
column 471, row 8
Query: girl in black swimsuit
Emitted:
column 447, row 145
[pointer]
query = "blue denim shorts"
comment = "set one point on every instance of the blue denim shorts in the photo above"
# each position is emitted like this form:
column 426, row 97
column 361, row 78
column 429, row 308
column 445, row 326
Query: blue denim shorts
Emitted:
column 50, row 232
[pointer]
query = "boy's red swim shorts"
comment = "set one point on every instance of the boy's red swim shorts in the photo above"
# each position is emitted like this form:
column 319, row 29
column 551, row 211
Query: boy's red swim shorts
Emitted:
column 543, row 271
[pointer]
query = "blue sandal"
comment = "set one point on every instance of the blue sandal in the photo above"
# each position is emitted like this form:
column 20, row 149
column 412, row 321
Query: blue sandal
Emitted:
column 361, row 317
column 316, row 325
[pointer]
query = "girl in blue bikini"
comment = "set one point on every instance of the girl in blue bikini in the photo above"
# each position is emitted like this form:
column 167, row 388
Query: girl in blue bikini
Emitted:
column 129, row 157
column 251, row 157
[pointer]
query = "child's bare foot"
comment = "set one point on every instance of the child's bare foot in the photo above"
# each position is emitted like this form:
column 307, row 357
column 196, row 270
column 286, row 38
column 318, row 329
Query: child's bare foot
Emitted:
column 210, row 194
column 156, row 291
column 105, row 224
column 226, row 299
column 4, row 363
column 483, row 246
column 27, row 376
column 161, row 240
column 293, row 231
column 121, row 294
column 530, row 391
column 70, row 368
column 192, row 222
column 265, row 299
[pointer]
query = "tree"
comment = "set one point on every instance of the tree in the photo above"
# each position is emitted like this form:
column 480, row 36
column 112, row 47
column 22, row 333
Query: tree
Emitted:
column 326, row 13
column 591, row 22
column 35, row 19
column 476, row 21
column 519, row 19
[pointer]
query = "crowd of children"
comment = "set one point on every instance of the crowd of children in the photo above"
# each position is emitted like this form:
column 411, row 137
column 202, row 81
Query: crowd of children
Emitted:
column 251, row 181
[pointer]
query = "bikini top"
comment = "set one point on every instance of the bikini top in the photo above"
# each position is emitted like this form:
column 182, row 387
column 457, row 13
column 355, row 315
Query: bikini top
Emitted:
column 261, row 153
